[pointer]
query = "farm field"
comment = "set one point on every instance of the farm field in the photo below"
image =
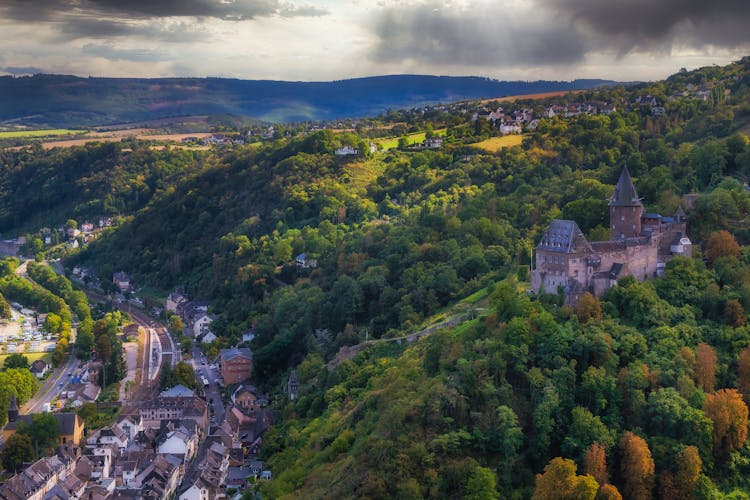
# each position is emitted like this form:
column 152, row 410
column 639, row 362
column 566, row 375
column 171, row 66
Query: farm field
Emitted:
column 495, row 144
column 20, row 134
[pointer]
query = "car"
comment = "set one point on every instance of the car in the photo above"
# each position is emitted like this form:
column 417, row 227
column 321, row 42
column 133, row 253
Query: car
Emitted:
column 203, row 362
column 62, row 383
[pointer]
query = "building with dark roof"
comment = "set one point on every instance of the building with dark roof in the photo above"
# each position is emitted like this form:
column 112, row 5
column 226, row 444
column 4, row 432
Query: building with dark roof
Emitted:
column 71, row 425
column 235, row 364
column 639, row 245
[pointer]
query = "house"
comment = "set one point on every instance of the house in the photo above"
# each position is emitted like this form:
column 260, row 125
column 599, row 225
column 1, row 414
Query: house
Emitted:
column 248, row 336
column 108, row 436
column 201, row 324
column 131, row 425
column 639, row 246
column 38, row 479
column 208, row 337
column 122, row 281
column 346, row 151
column 509, row 128
column 175, row 299
column 245, row 397
column 87, row 227
column 39, row 368
column 305, row 262
column 180, row 443
column 235, row 364
column 433, row 143
column 172, row 408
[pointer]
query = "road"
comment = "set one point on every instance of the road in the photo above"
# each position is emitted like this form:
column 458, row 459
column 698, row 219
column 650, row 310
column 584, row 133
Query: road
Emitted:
column 52, row 388
column 212, row 374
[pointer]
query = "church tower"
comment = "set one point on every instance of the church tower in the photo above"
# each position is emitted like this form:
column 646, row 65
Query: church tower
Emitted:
column 12, row 409
column 625, row 209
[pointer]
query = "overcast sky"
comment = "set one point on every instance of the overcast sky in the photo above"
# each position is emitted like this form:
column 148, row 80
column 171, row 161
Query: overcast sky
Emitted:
column 330, row 39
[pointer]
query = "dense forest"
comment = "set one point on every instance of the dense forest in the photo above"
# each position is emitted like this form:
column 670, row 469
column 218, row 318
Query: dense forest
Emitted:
column 642, row 392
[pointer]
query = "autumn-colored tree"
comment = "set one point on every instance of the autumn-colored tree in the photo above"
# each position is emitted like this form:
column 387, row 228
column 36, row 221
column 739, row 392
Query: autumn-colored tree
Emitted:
column 687, row 471
column 734, row 314
column 608, row 492
column 728, row 412
column 560, row 482
column 595, row 463
column 705, row 367
column 721, row 244
column 589, row 308
column 743, row 373
column 668, row 489
column 636, row 467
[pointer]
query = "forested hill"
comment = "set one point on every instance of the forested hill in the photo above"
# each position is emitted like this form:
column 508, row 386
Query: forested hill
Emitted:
column 641, row 393
column 68, row 101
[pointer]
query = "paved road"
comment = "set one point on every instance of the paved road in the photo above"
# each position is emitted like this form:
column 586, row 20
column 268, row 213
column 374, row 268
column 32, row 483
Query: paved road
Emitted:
column 212, row 374
column 52, row 388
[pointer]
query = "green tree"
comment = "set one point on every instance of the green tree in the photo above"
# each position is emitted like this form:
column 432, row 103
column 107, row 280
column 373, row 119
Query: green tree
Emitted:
column 16, row 361
column 183, row 373
column 44, row 431
column 5, row 312
column 481, row 485
column 18, row 449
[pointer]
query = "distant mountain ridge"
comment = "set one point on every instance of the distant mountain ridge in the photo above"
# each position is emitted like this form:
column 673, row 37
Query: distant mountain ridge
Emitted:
column 63, row 101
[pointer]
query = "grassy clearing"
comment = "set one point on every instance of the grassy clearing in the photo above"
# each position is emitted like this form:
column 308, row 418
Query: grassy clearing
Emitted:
column 22, row 134
column 362, row 173
column 31, row 356
column 495, row 144
column 416, row 137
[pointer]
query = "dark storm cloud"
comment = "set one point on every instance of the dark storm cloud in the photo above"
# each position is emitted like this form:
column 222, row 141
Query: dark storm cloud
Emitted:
column 548, row 32
column 73, row 19
column 85, row 27
column 645, row 25
column 434, row 34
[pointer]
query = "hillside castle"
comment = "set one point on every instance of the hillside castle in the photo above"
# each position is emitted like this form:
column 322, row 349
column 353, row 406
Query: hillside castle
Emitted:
column 639, row 245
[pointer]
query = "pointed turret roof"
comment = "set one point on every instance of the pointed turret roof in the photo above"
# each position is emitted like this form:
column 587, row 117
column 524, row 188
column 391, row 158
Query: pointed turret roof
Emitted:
column 625, row 194
column 12, row 408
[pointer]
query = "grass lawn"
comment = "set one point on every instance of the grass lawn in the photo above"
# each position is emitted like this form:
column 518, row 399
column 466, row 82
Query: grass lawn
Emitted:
column 392, row 142
column 31, row 356
column 495, row 144
column 18, row 134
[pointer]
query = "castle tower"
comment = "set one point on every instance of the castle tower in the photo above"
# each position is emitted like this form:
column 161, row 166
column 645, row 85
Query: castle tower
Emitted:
column 625, row 209
column 12, row 409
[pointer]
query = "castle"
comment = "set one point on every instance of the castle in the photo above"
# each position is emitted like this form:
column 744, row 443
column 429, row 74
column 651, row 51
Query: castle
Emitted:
column 639, row 245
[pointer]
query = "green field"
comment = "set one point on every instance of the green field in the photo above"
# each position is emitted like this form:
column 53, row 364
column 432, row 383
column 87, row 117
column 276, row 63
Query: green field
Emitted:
column 23, row 134
column 32, row 356
column 495, row 144
column 416, row 137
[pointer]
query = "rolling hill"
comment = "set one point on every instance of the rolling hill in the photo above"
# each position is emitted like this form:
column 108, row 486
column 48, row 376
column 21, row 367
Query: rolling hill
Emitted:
column 59, row 100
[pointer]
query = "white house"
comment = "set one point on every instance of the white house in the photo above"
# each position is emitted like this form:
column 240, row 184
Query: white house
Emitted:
column 346, row 151
column 208, row 337
column 131, row 425
column 201, row 325
column 179, row 443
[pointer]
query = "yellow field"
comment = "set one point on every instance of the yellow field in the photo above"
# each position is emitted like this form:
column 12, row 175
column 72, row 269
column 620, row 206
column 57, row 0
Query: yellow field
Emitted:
column 495, row 144
column 18, row 134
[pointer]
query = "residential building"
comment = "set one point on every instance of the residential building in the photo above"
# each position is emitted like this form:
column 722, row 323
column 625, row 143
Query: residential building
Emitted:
column 235, row 364
column 122, row 281
column 39, row 368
